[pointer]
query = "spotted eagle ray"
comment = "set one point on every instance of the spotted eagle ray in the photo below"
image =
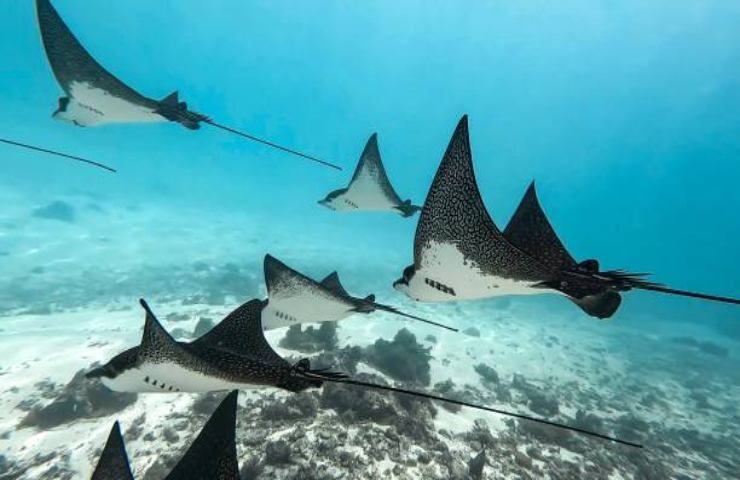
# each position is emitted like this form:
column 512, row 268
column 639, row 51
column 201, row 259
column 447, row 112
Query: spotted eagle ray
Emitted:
column 236, row 355
column 94, row 96
column 56, row 153
column 211, row 455
column 370, row 189
column 459, row 252
column 294, row 298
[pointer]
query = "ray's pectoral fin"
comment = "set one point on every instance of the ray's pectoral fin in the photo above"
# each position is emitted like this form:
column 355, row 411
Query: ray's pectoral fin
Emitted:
column 158, row 347
column 596, row 300
column 113, row 462
column 213, row 452
column 600, row 305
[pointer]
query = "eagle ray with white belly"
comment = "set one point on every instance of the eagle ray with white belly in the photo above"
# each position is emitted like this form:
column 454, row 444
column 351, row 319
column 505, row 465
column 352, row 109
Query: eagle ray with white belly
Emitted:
column 94, row 96
column 370, row 188
column 236, row 355
column 460, row 254
column 294, row 298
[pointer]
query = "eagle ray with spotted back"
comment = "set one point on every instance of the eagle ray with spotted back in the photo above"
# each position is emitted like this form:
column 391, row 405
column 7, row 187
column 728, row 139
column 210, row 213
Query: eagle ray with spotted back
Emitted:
column 234, row 355
column 294, row 378
column 294, row 298
column 94, row 96
column 370, row 188
column 460, row 254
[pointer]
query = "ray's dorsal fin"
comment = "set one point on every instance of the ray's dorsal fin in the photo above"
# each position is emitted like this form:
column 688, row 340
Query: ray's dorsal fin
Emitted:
column 454, row 213
column 530, row 231
column 332, row 282
column 71, row 63
column 213, row 453
column 241, row 333
column 113, row 463
column 173, row 99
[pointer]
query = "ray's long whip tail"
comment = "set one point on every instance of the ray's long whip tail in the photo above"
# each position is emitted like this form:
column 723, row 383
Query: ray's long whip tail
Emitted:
column 271, row 144
column 59, row 154
column 341, row 378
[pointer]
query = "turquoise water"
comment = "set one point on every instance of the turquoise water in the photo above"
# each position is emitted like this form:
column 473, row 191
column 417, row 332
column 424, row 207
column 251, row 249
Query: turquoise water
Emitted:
column 625, row 113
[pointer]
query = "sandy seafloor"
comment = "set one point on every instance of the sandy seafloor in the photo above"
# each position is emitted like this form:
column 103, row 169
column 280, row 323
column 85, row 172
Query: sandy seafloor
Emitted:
column 68, row 299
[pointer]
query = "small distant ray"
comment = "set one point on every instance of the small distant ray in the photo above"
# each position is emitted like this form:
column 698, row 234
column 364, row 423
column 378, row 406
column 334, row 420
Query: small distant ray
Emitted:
column 212, row 455
column 236, row 355
column 58, row 154
column 370, row 189
column 294, row 298
column 113, row 463
column 94, row 96
column 460, row 254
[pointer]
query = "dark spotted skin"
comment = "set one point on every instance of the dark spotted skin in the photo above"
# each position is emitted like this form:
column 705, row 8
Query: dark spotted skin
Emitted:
column 113, row 462
column 235, row 350
column 531, row 232
column 212, row 455
column 71, row 63
column 454, row 213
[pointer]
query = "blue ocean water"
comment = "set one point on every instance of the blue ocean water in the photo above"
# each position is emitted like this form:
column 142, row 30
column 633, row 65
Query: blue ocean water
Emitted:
column 625, row 113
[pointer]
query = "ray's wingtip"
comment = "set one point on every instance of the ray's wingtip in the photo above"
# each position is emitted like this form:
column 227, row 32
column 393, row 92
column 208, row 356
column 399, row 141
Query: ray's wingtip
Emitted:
column 232, row 397
column 146, row 308
column 461, row 131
